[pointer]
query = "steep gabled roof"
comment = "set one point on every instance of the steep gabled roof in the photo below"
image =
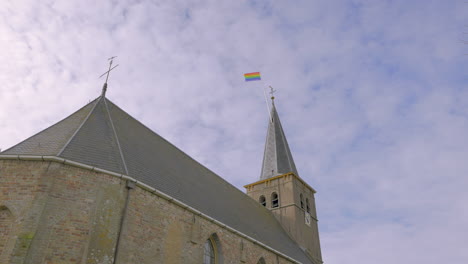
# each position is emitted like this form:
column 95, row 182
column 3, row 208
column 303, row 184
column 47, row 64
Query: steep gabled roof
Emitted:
column 102, row 135
column 277, row 158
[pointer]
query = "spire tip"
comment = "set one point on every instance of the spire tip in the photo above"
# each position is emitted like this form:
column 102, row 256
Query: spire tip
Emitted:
column 272, row 91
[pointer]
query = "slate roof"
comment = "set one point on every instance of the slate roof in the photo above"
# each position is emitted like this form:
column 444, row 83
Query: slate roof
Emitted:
column 277, row 159
column 102, row 135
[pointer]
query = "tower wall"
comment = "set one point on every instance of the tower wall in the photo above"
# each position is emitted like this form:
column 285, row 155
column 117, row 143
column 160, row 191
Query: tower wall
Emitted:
column 289, row 212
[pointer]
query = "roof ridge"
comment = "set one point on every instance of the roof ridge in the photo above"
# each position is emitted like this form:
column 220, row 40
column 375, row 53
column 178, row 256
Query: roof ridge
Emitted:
column 79, row 127
column 116, row 137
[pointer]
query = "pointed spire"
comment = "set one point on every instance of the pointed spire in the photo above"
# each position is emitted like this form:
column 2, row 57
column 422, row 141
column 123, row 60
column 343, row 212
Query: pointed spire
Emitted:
column 277, row 158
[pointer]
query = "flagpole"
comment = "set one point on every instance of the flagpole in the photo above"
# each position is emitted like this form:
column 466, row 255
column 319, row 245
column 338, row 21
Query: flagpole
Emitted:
column 255, row 76
column 266, row 101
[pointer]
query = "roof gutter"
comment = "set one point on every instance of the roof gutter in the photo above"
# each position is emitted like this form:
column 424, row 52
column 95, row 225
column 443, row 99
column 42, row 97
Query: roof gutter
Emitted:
column 147, row 188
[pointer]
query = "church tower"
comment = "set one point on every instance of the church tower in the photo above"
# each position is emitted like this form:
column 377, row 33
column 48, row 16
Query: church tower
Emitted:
column 284, row 193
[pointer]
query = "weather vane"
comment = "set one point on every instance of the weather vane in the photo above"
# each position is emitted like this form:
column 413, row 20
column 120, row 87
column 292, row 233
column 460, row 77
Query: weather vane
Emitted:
column 104, row 88
column 272, row 91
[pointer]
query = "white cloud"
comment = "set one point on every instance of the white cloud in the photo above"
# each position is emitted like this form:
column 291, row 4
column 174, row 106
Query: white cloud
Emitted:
column 371, row 95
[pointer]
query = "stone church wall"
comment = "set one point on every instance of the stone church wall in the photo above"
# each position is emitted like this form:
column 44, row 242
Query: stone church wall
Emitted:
column 56, row 213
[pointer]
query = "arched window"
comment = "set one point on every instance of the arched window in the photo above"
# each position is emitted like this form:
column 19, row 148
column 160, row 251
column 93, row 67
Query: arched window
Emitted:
column 6, row 236
column 274, row 200
column 212, row 251
column 302, row 201
column 209, row 256
column 261, row 261
column 262, row 200
column 307, row 205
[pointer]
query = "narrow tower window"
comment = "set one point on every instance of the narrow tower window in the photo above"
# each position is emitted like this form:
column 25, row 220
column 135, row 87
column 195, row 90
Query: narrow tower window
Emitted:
column 302, row 201
column 307, row 205
column 274, row 200
column 262, row 200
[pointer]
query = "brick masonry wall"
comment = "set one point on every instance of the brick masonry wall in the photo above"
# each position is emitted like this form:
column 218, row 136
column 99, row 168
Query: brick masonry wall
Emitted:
column 62, row 214
column 55, row 213
column 22, row 191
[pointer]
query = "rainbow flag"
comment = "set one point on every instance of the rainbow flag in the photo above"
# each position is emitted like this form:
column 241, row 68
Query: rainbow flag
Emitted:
column 253, row 76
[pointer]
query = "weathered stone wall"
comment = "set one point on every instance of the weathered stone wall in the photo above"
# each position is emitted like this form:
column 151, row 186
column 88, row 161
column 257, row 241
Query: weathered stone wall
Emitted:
column 22, row 192
column 308, row 235
column 56, row 213
column 172, row 234
column 62, row 214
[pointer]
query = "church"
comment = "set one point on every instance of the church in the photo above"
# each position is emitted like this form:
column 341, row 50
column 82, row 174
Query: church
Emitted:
column 99, row 187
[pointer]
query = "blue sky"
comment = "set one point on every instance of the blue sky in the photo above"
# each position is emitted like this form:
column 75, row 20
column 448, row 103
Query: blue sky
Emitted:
column 371, row 94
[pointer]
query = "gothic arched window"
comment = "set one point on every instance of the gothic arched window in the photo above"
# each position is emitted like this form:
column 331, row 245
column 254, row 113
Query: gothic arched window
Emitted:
column 262, row 200
column 307, row 205
column 302, row 201
column 261, row 261
column 213, row 251
column 209, row 256
column 6, row 225
column 274, row 200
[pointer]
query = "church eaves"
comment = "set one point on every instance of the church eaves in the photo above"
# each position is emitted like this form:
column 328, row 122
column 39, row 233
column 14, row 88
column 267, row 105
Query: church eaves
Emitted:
column 277, row 158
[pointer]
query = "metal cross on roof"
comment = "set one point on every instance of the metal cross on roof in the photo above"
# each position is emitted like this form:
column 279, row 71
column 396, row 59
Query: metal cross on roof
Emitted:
column 104, row 88
column 111, row 59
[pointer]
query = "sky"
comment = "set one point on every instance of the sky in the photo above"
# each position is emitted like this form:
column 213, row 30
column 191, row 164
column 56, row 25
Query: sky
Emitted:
column 371, row 94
